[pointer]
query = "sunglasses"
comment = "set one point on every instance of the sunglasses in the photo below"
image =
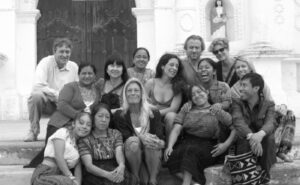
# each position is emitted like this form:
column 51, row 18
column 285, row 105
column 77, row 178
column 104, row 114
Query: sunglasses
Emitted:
column 217, row 51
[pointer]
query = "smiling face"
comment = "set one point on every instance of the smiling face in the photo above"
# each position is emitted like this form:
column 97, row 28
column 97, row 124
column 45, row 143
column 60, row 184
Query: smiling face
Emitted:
column 171, row 68
column 87, row 76
column 193, row 49
column 62, row 55
column 133, row 93
column 141, row 59
column 114, row 70
column 82, row 125
column 199, row 97
column 102, row 119
column 206, row 72
column 241, row 68
column 220, row 52
column 247, row 90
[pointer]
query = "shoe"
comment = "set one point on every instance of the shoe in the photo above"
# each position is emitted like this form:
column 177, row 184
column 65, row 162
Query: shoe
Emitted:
column 31, row 137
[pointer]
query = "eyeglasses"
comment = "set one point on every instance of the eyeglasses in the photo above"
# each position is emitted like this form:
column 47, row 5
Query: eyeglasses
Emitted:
column 217, row 51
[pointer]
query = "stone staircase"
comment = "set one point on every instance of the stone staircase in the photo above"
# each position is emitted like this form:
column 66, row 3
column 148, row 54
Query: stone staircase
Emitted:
column 14, row 153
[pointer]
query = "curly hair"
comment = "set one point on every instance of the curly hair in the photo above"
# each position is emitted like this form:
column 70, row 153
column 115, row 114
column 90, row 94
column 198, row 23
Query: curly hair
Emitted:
column 218, row 41
column 177, row 81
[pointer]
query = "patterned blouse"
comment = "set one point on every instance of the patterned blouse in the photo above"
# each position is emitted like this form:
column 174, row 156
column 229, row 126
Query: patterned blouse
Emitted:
column 88, row 95
column 101, row 148
column 220, row 92
column 143, row 77
column 201, row 123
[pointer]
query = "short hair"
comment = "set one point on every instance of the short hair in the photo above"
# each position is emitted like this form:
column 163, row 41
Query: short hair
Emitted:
column 83, row 65
column 219, row 41
column 210, row 61
column 256, row 80
column 58, row 42
column 177, row 80
column 141, row 48
column 96, row 108
column 194, row 37
column 119, row 61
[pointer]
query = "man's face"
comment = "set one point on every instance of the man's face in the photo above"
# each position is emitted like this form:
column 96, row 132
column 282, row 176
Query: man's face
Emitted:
column 193, row 49
column 62, row 55
column 247, row 90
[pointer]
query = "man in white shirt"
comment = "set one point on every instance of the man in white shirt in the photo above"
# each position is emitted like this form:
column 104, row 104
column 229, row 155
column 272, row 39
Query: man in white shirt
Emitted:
column 52, row 73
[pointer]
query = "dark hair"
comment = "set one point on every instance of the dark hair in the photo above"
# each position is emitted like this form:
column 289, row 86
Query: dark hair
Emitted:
column 195, row 37
column 256, row 80
column 80, row 114
column 96, row 108
column 58, row 42
column 83, row 65
column 216, row 4
column 190, row 92
column 210, row 61
column 141, row 48
column 119, row 61
column 219, row 41
column 177, row 82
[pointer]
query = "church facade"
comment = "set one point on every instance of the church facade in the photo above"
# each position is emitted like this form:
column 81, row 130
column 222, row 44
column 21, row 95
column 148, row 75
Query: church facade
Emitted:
column 266, row 32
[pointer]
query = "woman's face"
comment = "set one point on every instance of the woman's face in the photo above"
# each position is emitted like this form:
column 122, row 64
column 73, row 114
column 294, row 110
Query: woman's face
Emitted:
column 82, row 126
column 199, row 97
column 114, row 70
column 220, row 52
column 241, row 68
column 206, row 72
column 102, row 119
column 133, row 93
column 219, row 3
column 87, row 76
column 141, row 59
column 171, row 68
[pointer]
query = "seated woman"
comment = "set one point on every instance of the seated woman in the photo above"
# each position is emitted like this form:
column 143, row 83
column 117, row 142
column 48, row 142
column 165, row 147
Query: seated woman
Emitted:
column 165, row 90
column 200, row 127
column 115, row 76
column 225, row 66
column 285, row 118
column 102, row 152
column 73, row 98
column 61, row 155
column 141, row 58
column 142, row 133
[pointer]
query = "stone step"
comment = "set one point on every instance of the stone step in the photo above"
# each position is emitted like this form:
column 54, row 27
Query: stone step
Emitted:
column 281, row 174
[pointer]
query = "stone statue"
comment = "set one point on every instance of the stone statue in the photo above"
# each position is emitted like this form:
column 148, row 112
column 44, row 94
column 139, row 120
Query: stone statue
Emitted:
column 218, row 20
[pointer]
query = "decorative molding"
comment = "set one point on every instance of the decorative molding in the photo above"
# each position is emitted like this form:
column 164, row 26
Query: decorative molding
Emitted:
column 3, row 59
column 143, row 14
column 279, row 19
column 297, row 22
column 28, row 16
column 186, row 22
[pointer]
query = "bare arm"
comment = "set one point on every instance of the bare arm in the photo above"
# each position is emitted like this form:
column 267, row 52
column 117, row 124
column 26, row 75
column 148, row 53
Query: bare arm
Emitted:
column 78, row 173
column 59, row 150
column 172, row 140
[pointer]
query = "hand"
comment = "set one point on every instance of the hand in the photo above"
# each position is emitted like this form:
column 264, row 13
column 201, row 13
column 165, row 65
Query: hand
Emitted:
column 216, row 108
column 168, row 153
column 256, row 148
column 219, row 149
column 257, row 137
column 112, row 176
column 75, row 182
column 151, row 141
column 187, row 106
column 120, row 173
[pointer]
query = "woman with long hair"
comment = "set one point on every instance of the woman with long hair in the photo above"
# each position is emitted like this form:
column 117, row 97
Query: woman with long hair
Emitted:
column 142, row 132
column 165, row 90
column 61, row 156
column 102, row 152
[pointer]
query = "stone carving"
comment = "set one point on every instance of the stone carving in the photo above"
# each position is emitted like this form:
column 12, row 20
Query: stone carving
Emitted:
column 186, row 22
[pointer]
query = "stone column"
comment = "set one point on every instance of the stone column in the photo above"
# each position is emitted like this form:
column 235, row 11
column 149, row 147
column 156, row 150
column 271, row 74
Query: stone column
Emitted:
column 26, row 50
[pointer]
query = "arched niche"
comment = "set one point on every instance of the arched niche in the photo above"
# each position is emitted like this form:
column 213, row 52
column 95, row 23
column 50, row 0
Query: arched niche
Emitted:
column 229, row 25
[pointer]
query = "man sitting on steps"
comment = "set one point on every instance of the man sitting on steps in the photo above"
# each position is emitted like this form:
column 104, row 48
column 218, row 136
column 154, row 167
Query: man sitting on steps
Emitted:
column 52, row 73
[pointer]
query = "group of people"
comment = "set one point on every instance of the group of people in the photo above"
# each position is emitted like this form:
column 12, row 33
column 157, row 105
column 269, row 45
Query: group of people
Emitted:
column 189, row 114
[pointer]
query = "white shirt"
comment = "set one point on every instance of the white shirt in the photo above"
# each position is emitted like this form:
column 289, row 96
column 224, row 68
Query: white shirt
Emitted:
column 49, row 78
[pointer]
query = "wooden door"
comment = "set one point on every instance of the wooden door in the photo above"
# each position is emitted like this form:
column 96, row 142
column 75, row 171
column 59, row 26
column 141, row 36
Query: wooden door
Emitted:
column 97, row 28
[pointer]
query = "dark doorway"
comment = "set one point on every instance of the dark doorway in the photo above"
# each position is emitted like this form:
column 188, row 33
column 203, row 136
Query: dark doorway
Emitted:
column 97, row 28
